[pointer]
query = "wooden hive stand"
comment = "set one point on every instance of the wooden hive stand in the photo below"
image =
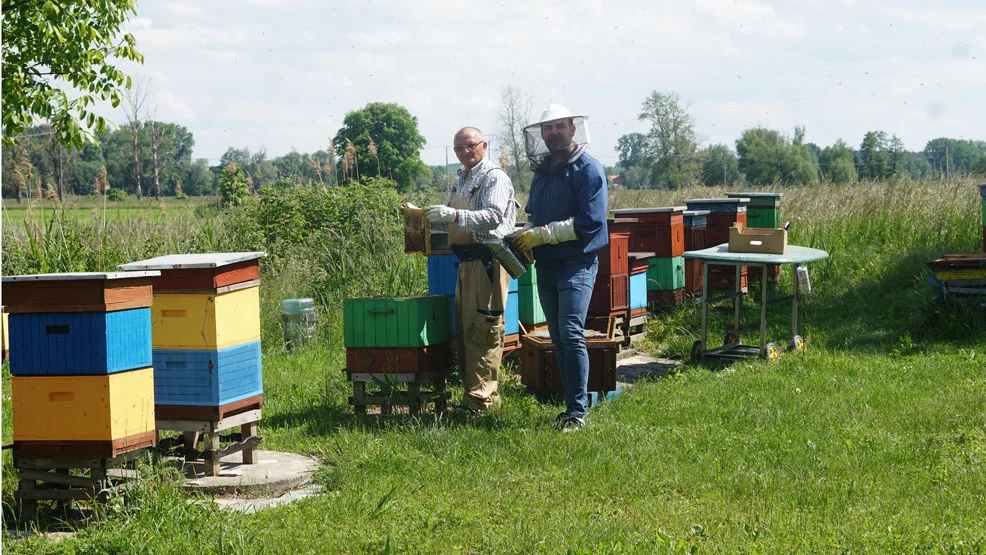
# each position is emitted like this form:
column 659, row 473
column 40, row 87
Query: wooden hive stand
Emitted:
column 205, row 424
column 398, row 376
column 69, row 479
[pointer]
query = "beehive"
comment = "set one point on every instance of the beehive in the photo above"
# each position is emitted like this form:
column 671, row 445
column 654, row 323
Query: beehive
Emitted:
column 198, row 321
column 207, row 377
column 397, row 322
column 539, row 367
column 443, row 271
column 764, row 209
column 80, row 343
column 610, row 295
column 664, row 274
column 658, row 230
column 528, row 299
column 638, row 290
column 399, row 359
column 723, row 213
column 613, row 258
column 78, row 292
column 695, row 229
column 511, row 314
column 982, row 193
column 83, row 416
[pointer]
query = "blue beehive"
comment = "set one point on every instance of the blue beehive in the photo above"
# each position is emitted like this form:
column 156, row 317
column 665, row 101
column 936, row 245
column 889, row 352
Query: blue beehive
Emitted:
column 511, row 316
column 443, row 271
column 638, row 291
column 80, row 343
column 207, row 377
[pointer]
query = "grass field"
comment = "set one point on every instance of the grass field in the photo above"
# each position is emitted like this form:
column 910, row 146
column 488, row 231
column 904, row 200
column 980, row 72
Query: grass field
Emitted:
column 872, row 441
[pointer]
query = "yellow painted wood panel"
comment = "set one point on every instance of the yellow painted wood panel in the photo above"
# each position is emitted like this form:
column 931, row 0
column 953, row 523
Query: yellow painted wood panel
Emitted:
column 967, row 273
column 205, row 320
column 6, row 334
column 83, row 408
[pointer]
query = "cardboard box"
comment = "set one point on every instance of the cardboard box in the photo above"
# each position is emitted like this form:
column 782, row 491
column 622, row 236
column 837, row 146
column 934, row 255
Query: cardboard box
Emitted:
column 757, row 239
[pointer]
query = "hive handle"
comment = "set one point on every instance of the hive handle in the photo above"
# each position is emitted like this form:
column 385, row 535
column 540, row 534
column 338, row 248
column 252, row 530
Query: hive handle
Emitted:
column 381, row 311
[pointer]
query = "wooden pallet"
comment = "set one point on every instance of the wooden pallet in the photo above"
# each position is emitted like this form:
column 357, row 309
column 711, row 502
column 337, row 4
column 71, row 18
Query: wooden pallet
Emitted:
column 207, row 431
column 633, row 329
column 398, row 389
column 48, row 479
column 612, row 325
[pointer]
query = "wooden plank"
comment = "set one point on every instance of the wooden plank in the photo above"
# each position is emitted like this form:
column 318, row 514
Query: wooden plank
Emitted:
column 56, row 478
column 247, row 444
column 212, row 412
column 76, row 450
column 56, row 495
column 203, row 426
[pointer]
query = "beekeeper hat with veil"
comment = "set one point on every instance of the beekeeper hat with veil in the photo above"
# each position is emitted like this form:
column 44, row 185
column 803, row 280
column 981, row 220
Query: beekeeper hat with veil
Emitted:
column 558, row 130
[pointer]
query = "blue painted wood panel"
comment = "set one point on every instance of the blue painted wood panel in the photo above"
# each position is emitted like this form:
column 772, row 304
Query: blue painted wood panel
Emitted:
column 79, row 343
column 511, row 315
column 638, row 290
column 207, row 377
column 443, row 271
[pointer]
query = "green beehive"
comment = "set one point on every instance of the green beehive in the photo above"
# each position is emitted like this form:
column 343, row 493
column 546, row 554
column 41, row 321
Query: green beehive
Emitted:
column 764, row 209
column 528, row 299
column 665, row 274
column 397, row 322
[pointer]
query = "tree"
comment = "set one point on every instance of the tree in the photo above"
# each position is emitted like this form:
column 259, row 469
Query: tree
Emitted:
column 720, row 166
column 838, row 164
column 233, row 187
column 766, row 157
column 394, row 131
column 671, row 140
column 634, row 150
column 874, row 160
column 978, row 167
column 513, row 116
column 63, row 44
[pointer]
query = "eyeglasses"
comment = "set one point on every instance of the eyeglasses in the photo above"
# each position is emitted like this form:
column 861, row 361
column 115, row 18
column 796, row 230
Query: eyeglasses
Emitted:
column 463, row 148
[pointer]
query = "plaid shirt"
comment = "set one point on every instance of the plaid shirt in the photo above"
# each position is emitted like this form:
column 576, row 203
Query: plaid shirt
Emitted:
column 493, row 210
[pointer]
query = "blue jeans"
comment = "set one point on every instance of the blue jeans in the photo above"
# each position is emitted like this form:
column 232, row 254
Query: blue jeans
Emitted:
column 565, row 287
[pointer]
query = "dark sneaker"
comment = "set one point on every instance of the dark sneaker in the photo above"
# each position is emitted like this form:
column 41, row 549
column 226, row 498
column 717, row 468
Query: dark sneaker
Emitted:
column 560, row 419
column 572, row 423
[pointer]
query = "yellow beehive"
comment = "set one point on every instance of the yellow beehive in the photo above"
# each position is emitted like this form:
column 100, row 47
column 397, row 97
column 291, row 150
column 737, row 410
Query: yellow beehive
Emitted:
column 205, row 320
column 960, row 273
column 107, row 408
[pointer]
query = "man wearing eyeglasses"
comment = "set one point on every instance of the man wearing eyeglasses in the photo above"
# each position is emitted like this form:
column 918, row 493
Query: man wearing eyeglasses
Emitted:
column 480, row 207
column 567, row 208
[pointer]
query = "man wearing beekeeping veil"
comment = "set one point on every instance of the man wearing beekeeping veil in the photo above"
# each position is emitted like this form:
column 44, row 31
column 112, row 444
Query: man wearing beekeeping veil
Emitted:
column 480, row 208
column 567, row 213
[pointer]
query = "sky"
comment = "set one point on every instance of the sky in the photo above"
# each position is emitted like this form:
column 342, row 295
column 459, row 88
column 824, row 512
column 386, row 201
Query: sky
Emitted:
column 279, row 75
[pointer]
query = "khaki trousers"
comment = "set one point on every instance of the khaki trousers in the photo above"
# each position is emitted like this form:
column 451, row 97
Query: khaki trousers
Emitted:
column 479, row 326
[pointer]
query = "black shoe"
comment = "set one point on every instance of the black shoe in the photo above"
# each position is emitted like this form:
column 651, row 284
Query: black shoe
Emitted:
column 572, row 424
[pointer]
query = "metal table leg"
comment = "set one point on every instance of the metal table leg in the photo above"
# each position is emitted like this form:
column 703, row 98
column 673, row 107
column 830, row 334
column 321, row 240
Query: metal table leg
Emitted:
column 705, row 307
column 763, row 310
column 737, row 300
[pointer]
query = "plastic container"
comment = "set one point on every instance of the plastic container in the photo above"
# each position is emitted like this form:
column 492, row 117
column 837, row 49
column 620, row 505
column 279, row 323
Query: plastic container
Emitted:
column 299, row 319
column 804, row 284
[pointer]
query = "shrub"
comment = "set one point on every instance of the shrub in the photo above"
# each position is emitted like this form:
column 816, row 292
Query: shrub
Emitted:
column 117, row 195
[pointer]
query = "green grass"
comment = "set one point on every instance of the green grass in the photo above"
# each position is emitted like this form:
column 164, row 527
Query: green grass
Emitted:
column 873, row 441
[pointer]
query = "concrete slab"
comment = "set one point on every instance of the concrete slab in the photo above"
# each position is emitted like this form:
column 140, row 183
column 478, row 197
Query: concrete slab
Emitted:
column 272, row 475
column 638, row 366
column 250, row 506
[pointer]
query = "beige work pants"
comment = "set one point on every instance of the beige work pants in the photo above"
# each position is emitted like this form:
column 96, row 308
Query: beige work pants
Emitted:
column 479, row 336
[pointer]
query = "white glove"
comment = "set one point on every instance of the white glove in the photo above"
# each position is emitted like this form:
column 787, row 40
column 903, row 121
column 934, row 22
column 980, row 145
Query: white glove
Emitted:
column 439, row 214
column 552, row 233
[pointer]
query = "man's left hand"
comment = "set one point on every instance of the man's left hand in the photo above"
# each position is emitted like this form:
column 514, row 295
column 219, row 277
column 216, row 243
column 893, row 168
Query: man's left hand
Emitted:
column 439, row 214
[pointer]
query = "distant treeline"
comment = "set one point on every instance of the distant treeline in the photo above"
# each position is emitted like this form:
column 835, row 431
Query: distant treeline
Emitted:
column 155, row 159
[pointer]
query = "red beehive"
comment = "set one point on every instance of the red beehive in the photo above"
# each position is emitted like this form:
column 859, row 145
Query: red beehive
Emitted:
column 539, row 368
column 613, row 259
column 657, row 230
column 203, row 271
column 610, row 295
column 399, row 359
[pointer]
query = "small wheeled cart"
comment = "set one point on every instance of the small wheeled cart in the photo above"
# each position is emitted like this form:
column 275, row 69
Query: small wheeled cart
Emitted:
column 732, row 348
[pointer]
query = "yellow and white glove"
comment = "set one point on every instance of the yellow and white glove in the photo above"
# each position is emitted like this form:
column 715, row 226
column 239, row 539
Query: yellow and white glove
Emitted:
column 439, row 214
column 552, row 233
